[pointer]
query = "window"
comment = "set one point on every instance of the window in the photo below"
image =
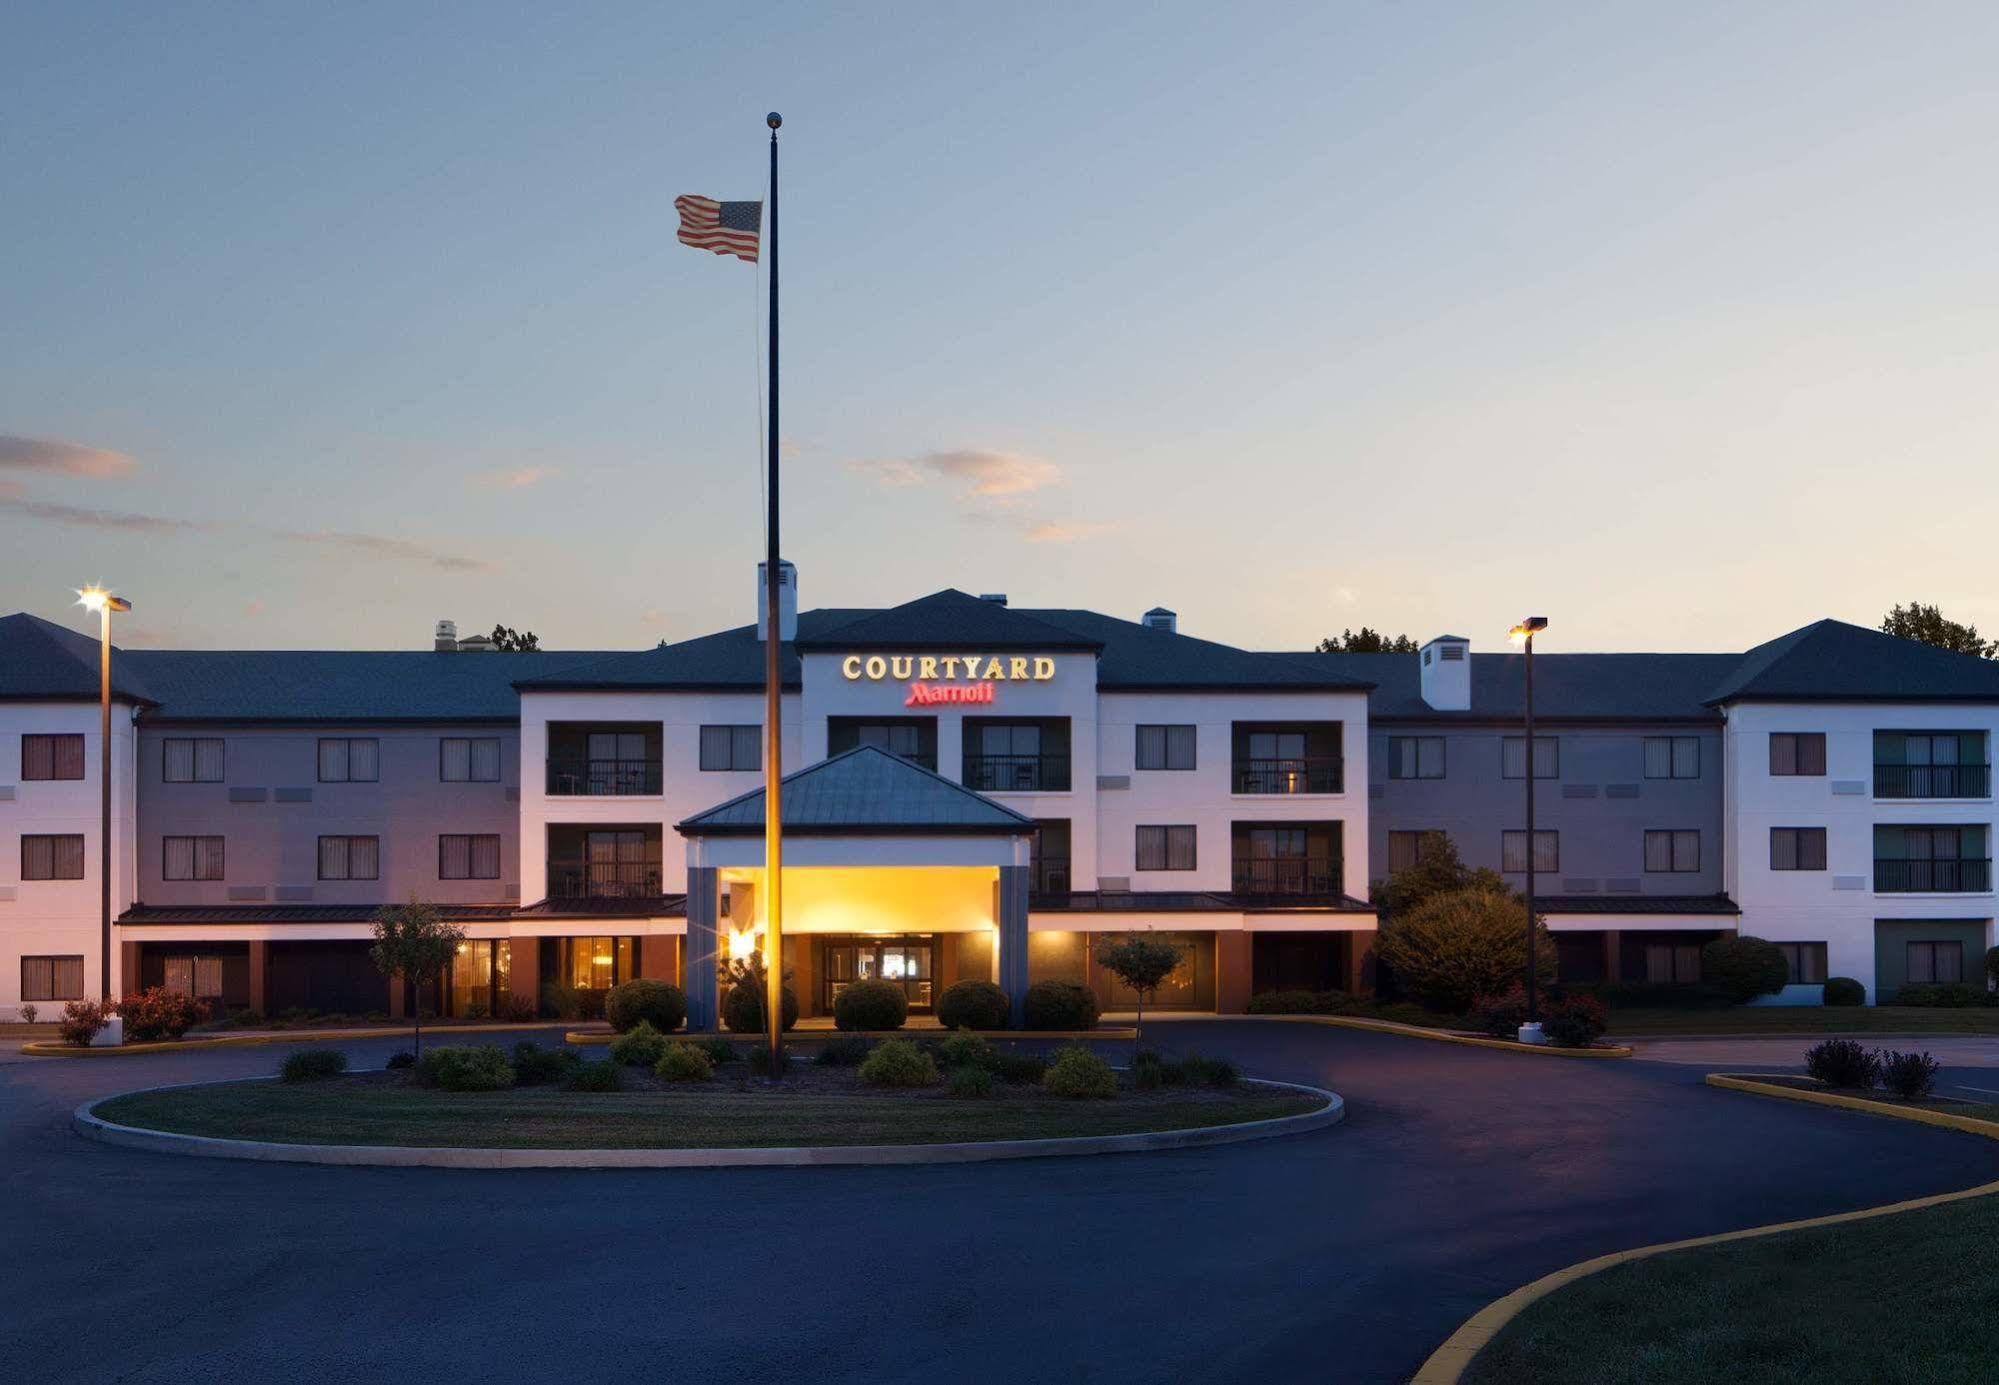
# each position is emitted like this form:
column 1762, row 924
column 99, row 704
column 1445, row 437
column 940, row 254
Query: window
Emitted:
column 1672, row 964
column 1672, row 757
column 191, row 858
column 191, row 760
column 1672, row 851
column 461, row 857
column 907, row 738
column 51, row 978
column 1931, row 764
column 732, row 747
column 1939, row 964
column 1404, row 848
column 1797, row 848
column 1513, row 758
column 1806, row 961
column 1513, row 851
column 52, row 858
column 1165, row 848
column 52, row 757
column 1415, row 757
column 1931, row 860
column 1287, row 859
column 1048, row 857
column 1165, row 747
column 469, row 759
column 349, row 760
column 1016, row 756
column 196, row 976
column 1287, row 757
column 1797, row 752
column 350, row 858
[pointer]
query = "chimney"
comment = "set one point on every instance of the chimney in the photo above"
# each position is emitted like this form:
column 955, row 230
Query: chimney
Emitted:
column 1159, row 618
column 787, row 601
column 446, row 639
column 1447, row 673
column 997, row 598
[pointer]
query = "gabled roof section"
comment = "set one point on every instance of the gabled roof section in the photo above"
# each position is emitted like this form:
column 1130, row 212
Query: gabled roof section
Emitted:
column 864, row 790
column 1138, row 658
column 947, row 619
column 1831, row 661
column 40, row 660
column 727, row 659
column 1567, row 687
column 340, row 685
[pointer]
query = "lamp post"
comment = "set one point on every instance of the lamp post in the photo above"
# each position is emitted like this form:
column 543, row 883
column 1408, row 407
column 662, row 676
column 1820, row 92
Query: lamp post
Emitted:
column 1523, row 635
column 95, row 598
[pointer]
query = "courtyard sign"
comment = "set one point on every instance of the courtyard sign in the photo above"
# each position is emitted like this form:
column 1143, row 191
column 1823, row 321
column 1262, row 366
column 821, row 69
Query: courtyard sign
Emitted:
column 949, row 668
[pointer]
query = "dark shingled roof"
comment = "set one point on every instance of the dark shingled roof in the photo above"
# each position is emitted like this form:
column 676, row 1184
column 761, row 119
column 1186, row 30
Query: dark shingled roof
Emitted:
column 1138, row 658
column 1636, row 904
column 727, row 659
column 665, row 906
column 43, row 661
column 949, row 618
column 863, row 790
column 142, row 914
column 1831, row 661
column 1186, row 902
column 1619, row 687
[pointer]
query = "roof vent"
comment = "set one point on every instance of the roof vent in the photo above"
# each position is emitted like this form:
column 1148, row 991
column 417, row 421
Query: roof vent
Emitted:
column 446, row 639
column 997, row 598
column 477, row 644
column 1159, row 618
column 1446, row 673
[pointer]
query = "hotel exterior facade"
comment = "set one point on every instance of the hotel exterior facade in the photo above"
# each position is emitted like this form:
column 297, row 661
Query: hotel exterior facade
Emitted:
column 974, row 790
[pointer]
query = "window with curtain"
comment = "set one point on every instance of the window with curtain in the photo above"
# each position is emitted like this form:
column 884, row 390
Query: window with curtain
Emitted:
column 52, row 757
column 349, row 759
column 1405, row 848
column 191, row 760
column 469, row 759
column 191, row 858
column 350, row 858
column 731, row 747
column 1672, row 964
column 1165, row 747
column 1513, row 757
column 1513, row 851
column 1936, row 964
column 1165, row 848
column 1797, row 753
column 51, row 978
column 1674, row 850
column 468, row 857
column 1797, row 848
column 49, row 857
column 1672, row 757
column 1415, row 757
column 1806, row 962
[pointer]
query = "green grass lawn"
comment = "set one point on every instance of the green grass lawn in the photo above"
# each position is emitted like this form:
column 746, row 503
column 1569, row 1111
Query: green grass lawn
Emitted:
column 358, row 1110
column 1806, row 1019
column 1907, row 1298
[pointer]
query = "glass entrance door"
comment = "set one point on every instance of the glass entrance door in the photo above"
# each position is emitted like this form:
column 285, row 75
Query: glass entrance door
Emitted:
column 910, row 962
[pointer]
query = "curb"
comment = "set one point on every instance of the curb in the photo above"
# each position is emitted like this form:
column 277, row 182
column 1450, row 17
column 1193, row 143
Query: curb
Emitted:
column 586, row 1037
column 1442, row 1036
column 1448, row 1363
column 48, row 1048
column 93, row 1127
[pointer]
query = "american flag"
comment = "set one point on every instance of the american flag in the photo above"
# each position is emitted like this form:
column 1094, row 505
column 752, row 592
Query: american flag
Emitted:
column 727, row 228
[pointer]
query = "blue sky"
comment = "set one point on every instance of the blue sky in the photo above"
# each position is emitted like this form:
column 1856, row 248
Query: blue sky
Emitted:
column 1674, row 322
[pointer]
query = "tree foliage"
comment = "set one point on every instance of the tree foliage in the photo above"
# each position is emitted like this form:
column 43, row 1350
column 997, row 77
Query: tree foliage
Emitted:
column 1455, row 947
column 1437, row 869
column 414, row 943
column 1916, row 621
column 508, row 640
column 1367, row 641
column 1142, row 963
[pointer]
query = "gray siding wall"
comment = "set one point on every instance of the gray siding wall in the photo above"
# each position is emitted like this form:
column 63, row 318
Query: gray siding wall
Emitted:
column 273, row 844
column 1602, row 836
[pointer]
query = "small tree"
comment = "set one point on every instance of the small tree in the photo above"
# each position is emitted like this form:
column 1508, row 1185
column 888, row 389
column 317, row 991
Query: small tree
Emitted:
column 1437, row 869
column 508, row 640
column 1141, row 963
column 412, row 941
column 1367, row 641
column 1457, row 947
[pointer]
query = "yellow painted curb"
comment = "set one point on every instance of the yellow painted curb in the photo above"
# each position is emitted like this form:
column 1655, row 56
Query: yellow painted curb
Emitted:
column 586, row 1037
column 47, row 1048
column 1447, row 1364
column 1442, row 1036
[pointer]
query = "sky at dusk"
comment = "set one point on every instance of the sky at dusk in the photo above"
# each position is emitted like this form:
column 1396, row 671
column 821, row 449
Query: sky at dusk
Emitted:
column 1677, row 323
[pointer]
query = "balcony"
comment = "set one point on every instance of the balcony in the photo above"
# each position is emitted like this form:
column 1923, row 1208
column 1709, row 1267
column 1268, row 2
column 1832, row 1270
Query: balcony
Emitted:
column 1287, row 879
column 588, row 778
column 1289, row 775
column 1960, row 876
column 1932, row 781
column 1048, row 878
column 611, row 862
column 603, row 759
column 1017, row 773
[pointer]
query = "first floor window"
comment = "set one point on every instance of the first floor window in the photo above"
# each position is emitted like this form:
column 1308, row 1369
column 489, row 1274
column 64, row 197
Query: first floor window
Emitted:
column 1806, row 961
column 52, row 757
column 1165, row 848
column 475, row 857
column 1405, row 848
column 1513, row 851
column 191, row 759
column 468, row 759
column 195, row 976
column 1415, row 757
column 1797, row 848
column 1165, row 747
column 1513, row 757
column 1936, row 964
column 350, row 760
column 731, row 747
column 191, row 858
column 1672, row 851
column 1672, row 964
column 52, row 858
column 350, row 858
column 52, row 978
column 1797, row 753
column 1672, row 757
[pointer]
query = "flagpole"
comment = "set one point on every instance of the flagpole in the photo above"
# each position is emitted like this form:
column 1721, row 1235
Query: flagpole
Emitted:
column 773, row 691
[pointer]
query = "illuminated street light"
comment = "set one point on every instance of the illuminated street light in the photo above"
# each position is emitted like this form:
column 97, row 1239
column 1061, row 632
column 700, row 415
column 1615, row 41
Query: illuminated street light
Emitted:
column 96, row 598
column 1523, row 635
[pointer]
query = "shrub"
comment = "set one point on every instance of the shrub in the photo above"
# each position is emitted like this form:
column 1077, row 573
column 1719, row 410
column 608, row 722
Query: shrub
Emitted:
column 1020, row 1069
column 83, row 1020
column 645, row 1002
column 600, row 1076
column 1197, row 1071
column 1575, row 1022
column 1948, row 996
column 972, row 1082
column 312, row 1065
column 1077, row 1072
column 1060, row 1005
column 743, row 1008
column 1454, row 947
column 1844, row 990
column 1843, row 1063
column 871, row 1005
column 1299, row 1003
column 759, row 1060
column 158, row 1013
column 642, row 1047
column 898, row 1063
column 718, row 1049
column 1148, row 1070
column 535, row 1065
column 966, row 1051
column 1437, row 869
column 515, row 1009
column 846, row 1050
column 1911, row 1076
column 1991, row 965
column 684, row 1063
column 1743, row 968
column 402, row 1058
column 973, row 1005
column 1500, row 1015
column 564, row 1002
column 465, row 1068
column 28, row 1013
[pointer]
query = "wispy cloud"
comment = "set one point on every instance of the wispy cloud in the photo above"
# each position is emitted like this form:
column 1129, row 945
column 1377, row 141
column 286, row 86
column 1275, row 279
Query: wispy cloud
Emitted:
column 383, row 547
column 517, row 477
column 980, row 474
column 1057, row 531
column 89, row 517
column 65, row 458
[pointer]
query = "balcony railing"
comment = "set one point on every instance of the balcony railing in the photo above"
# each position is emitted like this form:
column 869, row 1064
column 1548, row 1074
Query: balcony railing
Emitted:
column 603, row 879
column 1961, row 876
column 1287, row 879
column 1017, row 773
column 1933, row 781
column 602, row 778
column 1294, row 774
column 1049, row 875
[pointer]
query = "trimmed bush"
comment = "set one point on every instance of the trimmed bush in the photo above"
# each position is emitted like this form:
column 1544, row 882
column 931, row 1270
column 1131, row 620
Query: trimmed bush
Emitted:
column 1299, row 1003
column 1077, row 1072
column 684, row 1063
column 1454, row 947
column 871, row 1005
column 158, row 1013
column 846, row 1050
column 973, row 1005
column 1574, row 1022
column 1743, row 968
column 1844, row 990
column 640, row 1048
column 1500, row 1016
column 1843, row 1063
column 83, row 1020
column 1658, row 995
column 759, row 1060
column 401, row 1060
column 718, row 1049
column 1197, row 1071
column 1952, row 995
column 535, row 1066
column 1911, row 1076
column 313, row 1065
column 966, row 1051
column 743, row 1008
column 972, row 1082
column 1020, row 1069
column 515, row 1009
column 1060, row 1005
column 600, row 1076
column 898, row 1063
column 645, row 1001
column 466, row 1068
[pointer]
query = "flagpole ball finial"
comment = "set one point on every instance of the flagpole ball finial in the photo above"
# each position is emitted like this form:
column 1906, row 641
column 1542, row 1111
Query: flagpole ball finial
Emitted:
column 773, row 120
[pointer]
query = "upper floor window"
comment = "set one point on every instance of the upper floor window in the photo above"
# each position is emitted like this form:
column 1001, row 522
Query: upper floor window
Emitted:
column 1286, row 858
column 732, row 747
column 468, row 759
column 1797, row 848
column 1806, row 962
column 1932, row 860
column 52, row 757
column 350, row 760
column 191, row 759
column 190, row 858
column 1287, row 758
column 1415, row 757
column 907, row 738
column 46, row 857
column 1165, row 848
column 52, row 978
column 1931, row 764
column 1672, row 757
column 1164, row 747
column 1048, row 857
column 1797, row 753
column 1513, row 758
column 1547, row 851
column 475, row 857
column 1672, row 850
column 350, row 858
column 1016, row 756
column 1406, row 848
